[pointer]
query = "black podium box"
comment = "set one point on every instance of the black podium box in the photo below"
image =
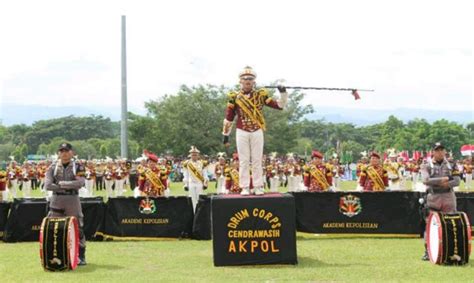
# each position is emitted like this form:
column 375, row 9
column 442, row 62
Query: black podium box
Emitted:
column 249, row 230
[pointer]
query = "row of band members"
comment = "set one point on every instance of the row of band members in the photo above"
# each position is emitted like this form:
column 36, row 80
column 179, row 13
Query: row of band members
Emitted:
column 150, row 175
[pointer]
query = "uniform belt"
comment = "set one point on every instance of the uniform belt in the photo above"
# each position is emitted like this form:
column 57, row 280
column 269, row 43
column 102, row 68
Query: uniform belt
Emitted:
column 436, row 191
column 66, row 193
column 57, row 210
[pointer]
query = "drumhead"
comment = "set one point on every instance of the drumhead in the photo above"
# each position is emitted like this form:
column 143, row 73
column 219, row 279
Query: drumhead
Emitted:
column 469, row 232
column 434, row 238
column 73, row 243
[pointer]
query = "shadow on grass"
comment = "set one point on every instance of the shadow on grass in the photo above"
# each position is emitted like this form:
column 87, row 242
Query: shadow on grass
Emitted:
column 302, row 263
column 312, row 262
column 91, row 267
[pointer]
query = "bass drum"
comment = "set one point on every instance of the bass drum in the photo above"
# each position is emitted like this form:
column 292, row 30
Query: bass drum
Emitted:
column 448, row 238
column 59, row 243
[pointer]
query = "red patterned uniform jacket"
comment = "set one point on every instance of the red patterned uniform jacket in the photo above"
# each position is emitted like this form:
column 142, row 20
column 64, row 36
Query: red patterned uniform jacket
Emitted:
column 258, row 98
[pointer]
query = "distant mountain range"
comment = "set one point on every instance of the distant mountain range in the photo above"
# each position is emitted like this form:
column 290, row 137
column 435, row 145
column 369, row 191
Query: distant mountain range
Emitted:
column 363, row 117
column 27, row 114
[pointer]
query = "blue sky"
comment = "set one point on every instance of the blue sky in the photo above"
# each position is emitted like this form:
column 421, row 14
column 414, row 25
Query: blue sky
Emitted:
column 416, row 54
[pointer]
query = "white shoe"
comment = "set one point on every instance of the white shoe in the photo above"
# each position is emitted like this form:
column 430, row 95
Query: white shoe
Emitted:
column 259, row 191
column 245, row 192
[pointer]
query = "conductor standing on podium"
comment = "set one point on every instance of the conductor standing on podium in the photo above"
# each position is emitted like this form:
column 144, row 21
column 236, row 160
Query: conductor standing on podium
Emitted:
column 65, row 178
column 247, row 104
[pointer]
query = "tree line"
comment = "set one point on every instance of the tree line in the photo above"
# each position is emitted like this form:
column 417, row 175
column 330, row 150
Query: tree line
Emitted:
column 194, row 115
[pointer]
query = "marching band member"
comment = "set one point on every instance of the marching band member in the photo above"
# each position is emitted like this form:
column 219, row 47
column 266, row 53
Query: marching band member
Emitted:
column 392, row 167
column 247, row 104
column 219, row 172
column 89, row 177
column 272, row 174
column 467, row 168
column 109, row 177
column 195, row 176
column 360, row 167
column 141, row 167
column 317, row 177
column 150, row 182
column 99, row 175
column 27, row 174
column 14, row 178
column 374, row 177
column 41, row 172
column 402, row 172
column 3, row 183
column 414, row 169
column 119, row 174
column 164, row 175
column 293, row 173
column 232, row 177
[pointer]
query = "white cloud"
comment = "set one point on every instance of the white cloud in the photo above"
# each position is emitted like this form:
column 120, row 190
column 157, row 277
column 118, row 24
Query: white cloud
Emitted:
column 414, row 53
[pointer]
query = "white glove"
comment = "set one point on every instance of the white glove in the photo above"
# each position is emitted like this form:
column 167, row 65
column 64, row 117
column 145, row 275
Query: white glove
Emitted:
column 283, row 101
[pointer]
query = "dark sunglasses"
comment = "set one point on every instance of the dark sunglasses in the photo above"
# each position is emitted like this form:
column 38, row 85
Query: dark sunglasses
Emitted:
column 248, row 78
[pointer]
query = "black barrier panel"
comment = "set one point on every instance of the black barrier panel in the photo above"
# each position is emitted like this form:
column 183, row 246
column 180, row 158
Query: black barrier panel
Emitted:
column 253, row 229
column 465, row 203
column 24, row 221
column 93, row 210
column 4, row 209
column 358, row 212
column 202, row 219
column 148, row 218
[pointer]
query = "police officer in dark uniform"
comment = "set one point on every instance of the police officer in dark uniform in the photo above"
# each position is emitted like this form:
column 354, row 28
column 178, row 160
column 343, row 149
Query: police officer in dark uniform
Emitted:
column 440, row 178
column 65, row 177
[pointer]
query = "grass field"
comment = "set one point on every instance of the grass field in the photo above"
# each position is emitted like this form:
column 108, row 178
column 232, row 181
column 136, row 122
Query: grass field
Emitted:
column 321, row 259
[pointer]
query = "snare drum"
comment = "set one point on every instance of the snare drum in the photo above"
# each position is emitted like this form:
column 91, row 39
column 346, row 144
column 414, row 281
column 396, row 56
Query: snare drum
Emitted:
column 59, row 243
column 448, row 238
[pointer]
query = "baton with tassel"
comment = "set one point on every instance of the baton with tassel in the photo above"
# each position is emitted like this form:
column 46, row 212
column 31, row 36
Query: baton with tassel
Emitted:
column 355, row 91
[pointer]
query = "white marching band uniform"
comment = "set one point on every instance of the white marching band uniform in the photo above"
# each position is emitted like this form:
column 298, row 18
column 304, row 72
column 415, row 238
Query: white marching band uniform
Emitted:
column 195, row 177
column 119, row 181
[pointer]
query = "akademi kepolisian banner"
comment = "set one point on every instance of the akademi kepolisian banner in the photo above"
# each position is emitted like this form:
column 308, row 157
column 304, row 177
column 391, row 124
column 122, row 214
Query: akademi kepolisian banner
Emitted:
column 93, row 209
column 389, row 213
column 24, row 220
column 253, row 229
column 141, row 218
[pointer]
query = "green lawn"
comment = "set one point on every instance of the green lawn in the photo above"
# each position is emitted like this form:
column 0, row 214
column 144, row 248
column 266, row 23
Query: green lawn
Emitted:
column 321, row 258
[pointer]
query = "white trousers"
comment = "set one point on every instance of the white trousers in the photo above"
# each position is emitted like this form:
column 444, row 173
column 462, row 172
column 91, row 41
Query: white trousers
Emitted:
column 294, row 183
column 119, row 184
column 394, row 185
column 221, row 185
column 26, row 188
column 4, row 194
column 89, row 185
column 403, row 183
column 274, row 184
column 337, row 183
column 250, row 150
column 13, row 189
column 414, row 180
column 468, row 181
column 108, row 187
column 195, row 189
